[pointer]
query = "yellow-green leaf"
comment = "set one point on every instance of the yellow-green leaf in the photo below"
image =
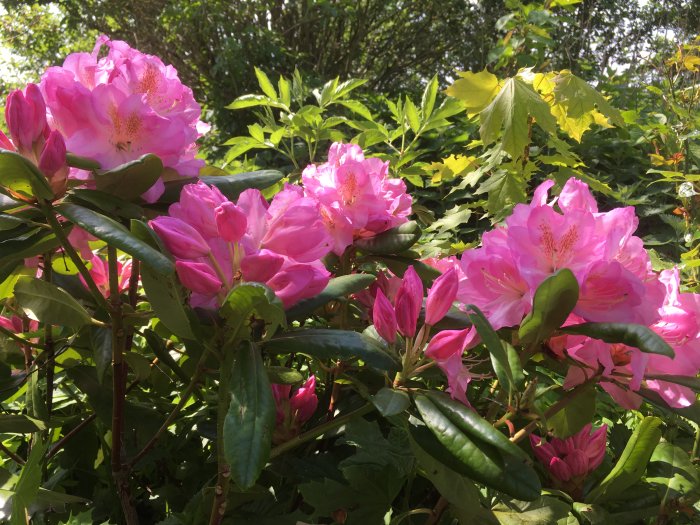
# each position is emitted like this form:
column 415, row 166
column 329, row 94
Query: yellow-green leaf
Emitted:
column 475, row 90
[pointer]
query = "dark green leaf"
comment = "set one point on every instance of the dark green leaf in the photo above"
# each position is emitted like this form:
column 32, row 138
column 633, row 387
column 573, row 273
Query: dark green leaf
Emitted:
column 129, row 181
column 545, row 511
column 635, row 335
column 106, row 202
column 333, row 344
column 554, row 300
column 337, row 287
column 250, row 419
column 391, row 402
column 281, row 375
column 632, row 463
column 84, row 163
column 19, row 424
column 101, row 343
column 45, row 302
column 14, row 250
column 28, row 484
column 247, row 299
column 230, row 185
column 116, row 235
column 21, row 177
column 392, row 241
column 673, row 474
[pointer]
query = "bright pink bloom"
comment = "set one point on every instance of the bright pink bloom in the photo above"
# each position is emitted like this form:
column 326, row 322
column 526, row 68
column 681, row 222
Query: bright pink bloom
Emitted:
column 198, row 277
column 297, row 281
column 293, row 409
column 569, row 461
column 99, row 271
column 446, row 349
column 181, row 239
column 197, row 207
column 119, row 107
column 441, row 296
column 356, row 196
column 408, row 302
column 384, row 318
column 230, row 222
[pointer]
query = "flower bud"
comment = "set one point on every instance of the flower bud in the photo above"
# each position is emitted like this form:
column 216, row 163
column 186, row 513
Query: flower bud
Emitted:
column 408, row 302
column 441, row 296
column 53, row 163
column 181, row 239
column 304, row 401
column 25, row 114
column 231, row 222
column 384, row 317
column 198, row 277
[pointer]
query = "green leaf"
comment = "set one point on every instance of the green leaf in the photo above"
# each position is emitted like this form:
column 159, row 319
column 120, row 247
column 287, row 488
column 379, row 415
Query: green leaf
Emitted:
column 475, row 90
column 673, row 474
column 575, row 416
column 116, row 235
column 460, row 491
column 230, row 185
column 83, row 163
column 164, row 292
column 20, row 424
column 14, row 250
column 412, row 114
column 265, row 84
column 509, row 111
column 106, row 203
column 47, row 303
column 21, row 177
column 101, row 344
column 391, row 402
column 579, row 98
column 333, row 344
column 129, row 181
column 247, row 299
column 357, row 107
column 392, row 241
column 545, row 511
column 249, row 101
column 554, row 300
column 504, row 362
column 281, row 375
column 478, row 450
column 635, row 335
column 429, row 95
column 337, row 287
column 632, row 463
column 28, row 483
column 250, row 419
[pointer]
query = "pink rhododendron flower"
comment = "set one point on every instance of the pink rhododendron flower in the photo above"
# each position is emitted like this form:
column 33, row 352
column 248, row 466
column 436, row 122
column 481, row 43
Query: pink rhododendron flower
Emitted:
column 218, row 243
column 569, row 461
column 119, row 107
column 99, row 271
column 293, row 409
column 446, row 349
column 408, row 302
column 356, row 196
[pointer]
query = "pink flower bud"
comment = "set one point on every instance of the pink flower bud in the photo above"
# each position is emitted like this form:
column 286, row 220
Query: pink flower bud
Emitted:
column 304, row 401
column 198, row 277
column 25, row 114
column 384, row 317
column 441, row 296
column 408, row 302
column 570, row 460
column 231, row 222
column 262, row 266
column 181, row 239
column 5, row 142
column 53, row 163
column 448, row 343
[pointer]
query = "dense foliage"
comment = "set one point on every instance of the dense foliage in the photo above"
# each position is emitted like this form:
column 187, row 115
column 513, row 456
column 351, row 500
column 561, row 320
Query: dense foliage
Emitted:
column 402, row 295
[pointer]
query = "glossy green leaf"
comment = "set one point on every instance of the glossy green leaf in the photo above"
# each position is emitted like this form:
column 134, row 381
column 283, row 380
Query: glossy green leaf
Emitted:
column 164, row 292
column 250, row 419
column 635, row 335
column 334, row 344
column 545, row 511
column 592, row 514
column 83, row 163
column 412, row 114
column 392, row 241
column 19, row 424
column 281, row 375
column 247, row 299
column 391, row 402
column 673, row 474
column 265, row 84
column 575, row 415
column 14, row 250
column 116, row 235
column 129, row 181
column 106, row 203
column 28, row 483
column 336, row 288
column 489, row 457
column 47, row 303
column 500, row 358
column 230, row 185
column 554, row 300
column 632, row 463
column 429, row 95
column 21, row 177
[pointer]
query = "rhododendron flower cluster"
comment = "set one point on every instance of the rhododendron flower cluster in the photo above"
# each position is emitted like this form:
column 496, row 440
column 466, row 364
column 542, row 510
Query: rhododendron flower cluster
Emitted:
column 616, row 281
column 218, row 243
column 569, row 461
column 293, row 409
column 25, row 115
column 118, row 107
column 356, row 196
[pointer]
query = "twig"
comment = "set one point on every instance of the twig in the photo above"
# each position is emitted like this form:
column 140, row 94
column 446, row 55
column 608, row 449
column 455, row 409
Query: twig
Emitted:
column 14, row 457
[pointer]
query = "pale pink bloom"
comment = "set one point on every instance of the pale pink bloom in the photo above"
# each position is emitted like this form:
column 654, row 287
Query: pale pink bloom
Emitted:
column 357, row 197
column 441, row 296
column 293, row 409
column 569, row 461
column 446, row 349
column 384, row 318
column 610, row 293
column 575, row 195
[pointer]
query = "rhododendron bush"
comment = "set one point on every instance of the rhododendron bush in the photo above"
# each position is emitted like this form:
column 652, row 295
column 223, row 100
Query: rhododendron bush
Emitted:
column 181, row 345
